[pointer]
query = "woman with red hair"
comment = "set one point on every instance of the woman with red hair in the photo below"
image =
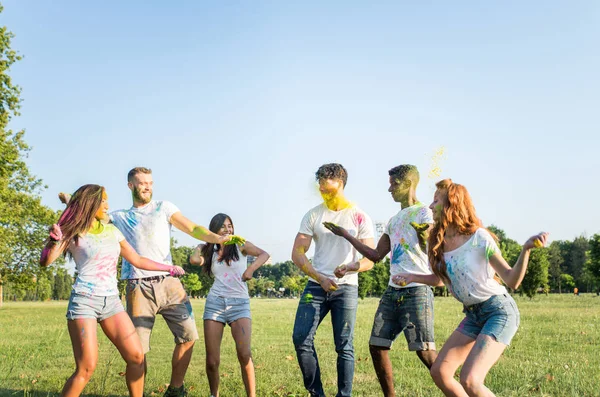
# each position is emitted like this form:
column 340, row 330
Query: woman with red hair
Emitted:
column 465, row 257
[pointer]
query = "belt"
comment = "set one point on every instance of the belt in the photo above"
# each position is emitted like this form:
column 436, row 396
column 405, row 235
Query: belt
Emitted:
column 149, row 279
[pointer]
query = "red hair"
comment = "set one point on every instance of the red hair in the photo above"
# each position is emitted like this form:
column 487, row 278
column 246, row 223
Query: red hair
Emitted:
column 459, row 212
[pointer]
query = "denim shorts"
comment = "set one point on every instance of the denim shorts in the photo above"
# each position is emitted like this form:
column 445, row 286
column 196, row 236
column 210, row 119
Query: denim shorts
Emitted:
column 497, row 317
column 405, row 309
column 92, row 306
column 226, row 310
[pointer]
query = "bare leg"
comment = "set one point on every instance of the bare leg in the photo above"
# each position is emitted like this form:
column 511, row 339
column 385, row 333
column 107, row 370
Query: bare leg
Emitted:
column 427, row 357
column 85, row 349
column 453, row 354
column 213, row 334
column 182, row 355
column 241, row 330
column 480, row 360
column 383, row 369
column 119, row 329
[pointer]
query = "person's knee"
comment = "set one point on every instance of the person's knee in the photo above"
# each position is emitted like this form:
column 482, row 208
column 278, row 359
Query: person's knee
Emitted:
column 377, row 352
column 212, row 363
column 427, row 357
column 301, row 338
column 185, row 346
column 438, row 374
column 136, row 358
column 345, row 348
column 244, row 356
column 85, row 370
column 470, row 382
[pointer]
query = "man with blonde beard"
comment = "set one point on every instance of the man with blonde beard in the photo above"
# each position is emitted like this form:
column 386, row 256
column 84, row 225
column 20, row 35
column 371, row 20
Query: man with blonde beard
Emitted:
column 147, row 227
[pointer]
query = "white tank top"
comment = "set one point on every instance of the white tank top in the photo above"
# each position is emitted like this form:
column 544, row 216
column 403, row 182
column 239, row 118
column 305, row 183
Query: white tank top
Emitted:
column 228, row 278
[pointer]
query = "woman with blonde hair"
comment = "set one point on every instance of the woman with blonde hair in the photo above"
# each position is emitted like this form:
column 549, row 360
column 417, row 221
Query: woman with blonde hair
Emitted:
column 465, row 257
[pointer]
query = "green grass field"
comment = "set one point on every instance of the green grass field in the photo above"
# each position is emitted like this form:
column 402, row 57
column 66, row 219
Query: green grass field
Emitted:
column 556, row 352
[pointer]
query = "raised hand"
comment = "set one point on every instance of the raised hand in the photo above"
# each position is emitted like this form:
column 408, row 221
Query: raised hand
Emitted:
column 64, row 197
column 55, row 233
column 537, row 241
column 176, row 271
column 335, row 229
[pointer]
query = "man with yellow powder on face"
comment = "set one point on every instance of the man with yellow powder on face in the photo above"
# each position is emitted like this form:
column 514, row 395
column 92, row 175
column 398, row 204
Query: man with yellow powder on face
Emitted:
column 147, row 227
column 403, row 307
column 333, row 278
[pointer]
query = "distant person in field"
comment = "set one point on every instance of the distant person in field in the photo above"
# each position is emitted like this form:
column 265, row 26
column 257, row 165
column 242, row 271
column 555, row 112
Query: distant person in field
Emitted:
column 147, row 226
column 228, row 301
column 333, row 279
column 465, row 257
column 95, row 247
column 407, row 307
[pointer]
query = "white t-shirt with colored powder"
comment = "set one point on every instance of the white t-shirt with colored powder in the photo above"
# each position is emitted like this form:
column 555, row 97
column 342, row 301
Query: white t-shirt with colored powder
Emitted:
column 96, row 257
column 331, row 250
column 407, row 255
column 469, row 270
column 148, row 230
column 228, row 278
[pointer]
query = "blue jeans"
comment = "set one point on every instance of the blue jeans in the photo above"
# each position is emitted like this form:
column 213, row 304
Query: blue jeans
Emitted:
column 314, row 305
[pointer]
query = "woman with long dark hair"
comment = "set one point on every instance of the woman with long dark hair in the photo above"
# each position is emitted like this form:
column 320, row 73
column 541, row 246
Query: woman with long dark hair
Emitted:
column 228, row 301
column 465, row 257
column 95, row 247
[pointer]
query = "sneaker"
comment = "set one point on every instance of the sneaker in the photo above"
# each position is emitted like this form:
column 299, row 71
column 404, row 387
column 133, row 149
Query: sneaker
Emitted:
column 176, row 392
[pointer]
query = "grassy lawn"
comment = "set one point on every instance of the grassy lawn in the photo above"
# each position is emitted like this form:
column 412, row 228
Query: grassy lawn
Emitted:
column 556, row 352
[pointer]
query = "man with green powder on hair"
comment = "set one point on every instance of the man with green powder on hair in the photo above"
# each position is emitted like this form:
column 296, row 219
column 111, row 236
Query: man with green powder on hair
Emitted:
column 147, row 227
column 402, row 308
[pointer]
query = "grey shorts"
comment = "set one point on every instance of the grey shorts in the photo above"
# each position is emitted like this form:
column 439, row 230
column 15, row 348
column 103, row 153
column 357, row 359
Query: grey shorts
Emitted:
column 405, row 309
column 162, row 295
column 226, row 310
column 497, row 317
column 92, row 306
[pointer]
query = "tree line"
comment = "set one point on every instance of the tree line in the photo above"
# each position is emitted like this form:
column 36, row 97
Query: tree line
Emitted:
column 24, row 223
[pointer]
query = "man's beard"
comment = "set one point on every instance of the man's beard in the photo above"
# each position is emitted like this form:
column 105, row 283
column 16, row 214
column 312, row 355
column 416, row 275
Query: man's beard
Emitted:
column 137, row 195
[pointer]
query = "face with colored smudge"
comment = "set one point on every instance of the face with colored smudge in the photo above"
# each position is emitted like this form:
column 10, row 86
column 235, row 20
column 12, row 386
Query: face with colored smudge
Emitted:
column 330, row 188
column 102, row 212
column 141, row 187
column 399, row 188
column 226, row 229
column 437, row 205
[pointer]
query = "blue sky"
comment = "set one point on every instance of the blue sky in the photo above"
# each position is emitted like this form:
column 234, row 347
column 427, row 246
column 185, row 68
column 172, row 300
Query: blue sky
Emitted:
column 234, row 105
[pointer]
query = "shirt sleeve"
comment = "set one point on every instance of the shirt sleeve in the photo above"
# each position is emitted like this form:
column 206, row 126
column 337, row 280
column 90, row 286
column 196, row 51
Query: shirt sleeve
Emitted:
column 307, row 226
column 169, row 209
column 118, row 234
column 426, row 215
column 490, row 245
column 365, row 228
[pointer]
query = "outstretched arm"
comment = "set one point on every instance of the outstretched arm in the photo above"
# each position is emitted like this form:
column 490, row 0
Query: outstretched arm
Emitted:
column 403, row 279
column 200, row 232
column 367, row 250
column 143, row 263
